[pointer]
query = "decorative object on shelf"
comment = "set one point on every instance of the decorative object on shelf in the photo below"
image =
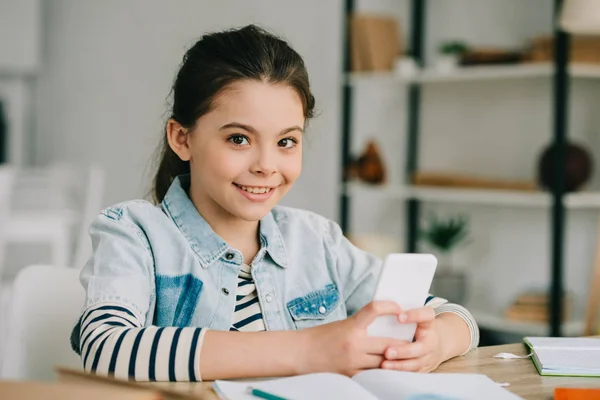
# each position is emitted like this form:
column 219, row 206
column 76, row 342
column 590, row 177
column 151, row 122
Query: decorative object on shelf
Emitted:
column 456, row 180
column 368, row 167
column 374, row 42
column 490, row 56
column 581, row 17
column 578, row 167
column 583, row 49
column 450, row 53
column 443, row 236
column 377, row 244
column 532, row 306
column 406, row 66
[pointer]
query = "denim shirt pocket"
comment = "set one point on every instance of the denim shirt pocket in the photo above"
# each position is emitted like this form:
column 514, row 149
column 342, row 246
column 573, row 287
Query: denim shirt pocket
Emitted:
column 315, row 308
column 177, row 298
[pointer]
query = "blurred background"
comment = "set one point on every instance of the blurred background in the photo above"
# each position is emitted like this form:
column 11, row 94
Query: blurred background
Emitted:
column 465, row 128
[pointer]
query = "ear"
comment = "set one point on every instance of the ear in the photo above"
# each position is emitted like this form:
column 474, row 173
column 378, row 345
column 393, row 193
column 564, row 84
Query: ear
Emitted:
column 178, row 138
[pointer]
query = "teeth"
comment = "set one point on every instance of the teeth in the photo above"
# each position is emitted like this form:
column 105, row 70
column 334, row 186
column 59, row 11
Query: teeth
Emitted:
column 255, row 189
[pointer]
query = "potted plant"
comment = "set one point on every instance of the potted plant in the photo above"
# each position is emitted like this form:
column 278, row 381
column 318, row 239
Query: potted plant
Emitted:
column 450, row 53
column 443, row 236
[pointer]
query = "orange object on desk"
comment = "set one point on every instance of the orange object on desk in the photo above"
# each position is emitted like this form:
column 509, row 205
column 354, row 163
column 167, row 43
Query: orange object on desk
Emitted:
column 576, row 394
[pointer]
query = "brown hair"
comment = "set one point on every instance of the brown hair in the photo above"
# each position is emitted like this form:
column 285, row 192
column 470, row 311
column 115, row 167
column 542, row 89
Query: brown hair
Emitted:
column 212, row 64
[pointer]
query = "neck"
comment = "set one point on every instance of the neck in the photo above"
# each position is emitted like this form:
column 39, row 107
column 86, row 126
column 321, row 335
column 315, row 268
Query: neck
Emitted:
column 238, row 233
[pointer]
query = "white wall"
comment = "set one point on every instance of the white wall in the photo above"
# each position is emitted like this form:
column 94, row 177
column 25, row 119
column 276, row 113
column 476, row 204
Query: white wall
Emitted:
column 20, row 26
column 20, row 36
column 108, row 66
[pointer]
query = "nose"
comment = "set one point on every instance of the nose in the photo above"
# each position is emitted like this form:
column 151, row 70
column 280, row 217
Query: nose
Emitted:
column 265, row 162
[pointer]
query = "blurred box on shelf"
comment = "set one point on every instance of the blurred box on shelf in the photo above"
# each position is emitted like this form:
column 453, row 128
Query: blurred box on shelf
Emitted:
column 374, row 42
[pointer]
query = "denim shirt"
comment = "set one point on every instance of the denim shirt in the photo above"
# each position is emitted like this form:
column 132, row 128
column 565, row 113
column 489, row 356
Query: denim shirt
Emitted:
column 167, row 264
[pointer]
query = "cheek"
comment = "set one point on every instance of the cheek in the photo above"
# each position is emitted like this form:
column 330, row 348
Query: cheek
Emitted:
column 219, row 166
column 293, row 167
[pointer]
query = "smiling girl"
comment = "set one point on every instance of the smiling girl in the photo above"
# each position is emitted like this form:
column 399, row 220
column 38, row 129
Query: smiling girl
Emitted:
column 216, row 280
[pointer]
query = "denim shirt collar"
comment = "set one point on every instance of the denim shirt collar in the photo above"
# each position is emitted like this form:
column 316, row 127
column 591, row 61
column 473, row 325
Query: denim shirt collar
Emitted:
column 202, row 238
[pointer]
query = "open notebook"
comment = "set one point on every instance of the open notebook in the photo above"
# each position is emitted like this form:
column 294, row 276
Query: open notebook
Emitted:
column 565, row 356
column 373, row 384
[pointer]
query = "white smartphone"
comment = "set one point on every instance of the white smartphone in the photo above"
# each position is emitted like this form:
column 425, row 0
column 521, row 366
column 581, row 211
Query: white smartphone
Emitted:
column 405, row 279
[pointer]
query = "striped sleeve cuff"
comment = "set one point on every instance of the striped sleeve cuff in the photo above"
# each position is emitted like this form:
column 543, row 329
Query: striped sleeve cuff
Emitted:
column 466, row 316
column 114, row 343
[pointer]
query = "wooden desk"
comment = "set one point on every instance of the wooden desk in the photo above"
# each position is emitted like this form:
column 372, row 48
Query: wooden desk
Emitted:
column 521, row 374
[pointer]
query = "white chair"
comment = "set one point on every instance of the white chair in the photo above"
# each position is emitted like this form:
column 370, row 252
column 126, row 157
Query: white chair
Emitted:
column 91, row 207
column 55, row 205
column 6, row 189
column 45, row 305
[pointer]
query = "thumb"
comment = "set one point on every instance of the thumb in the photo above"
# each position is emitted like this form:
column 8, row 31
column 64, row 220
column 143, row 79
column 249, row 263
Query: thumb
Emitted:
column 368, row 313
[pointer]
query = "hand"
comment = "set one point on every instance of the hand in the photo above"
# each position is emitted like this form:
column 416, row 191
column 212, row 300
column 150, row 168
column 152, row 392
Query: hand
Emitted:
column 344, row 347
column 425, row 354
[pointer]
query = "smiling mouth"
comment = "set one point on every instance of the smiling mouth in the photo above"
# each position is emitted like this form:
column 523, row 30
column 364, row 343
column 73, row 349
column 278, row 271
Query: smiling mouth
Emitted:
column 255, row 189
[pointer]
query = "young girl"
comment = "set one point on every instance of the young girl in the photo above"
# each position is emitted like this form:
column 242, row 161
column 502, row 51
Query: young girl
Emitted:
column 216, row 281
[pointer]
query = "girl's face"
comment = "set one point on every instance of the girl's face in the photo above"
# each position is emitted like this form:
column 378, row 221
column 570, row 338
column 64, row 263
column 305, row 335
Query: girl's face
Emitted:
column 246, row 153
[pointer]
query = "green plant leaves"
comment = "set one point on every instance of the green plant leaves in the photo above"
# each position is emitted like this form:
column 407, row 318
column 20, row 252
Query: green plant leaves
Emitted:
column 445, row 234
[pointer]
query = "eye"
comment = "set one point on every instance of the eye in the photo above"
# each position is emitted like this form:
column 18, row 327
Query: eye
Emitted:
column 238, row 140
column 287, row 143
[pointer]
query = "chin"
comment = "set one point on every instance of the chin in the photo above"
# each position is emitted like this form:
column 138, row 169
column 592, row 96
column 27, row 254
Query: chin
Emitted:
column 253, row 216
column 253, row 213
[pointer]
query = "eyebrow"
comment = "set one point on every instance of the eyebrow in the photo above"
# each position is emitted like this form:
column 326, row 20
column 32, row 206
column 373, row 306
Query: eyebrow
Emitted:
column 252, row 130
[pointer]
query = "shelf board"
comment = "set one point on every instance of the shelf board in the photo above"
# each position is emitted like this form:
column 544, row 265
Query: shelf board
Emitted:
column 476, row 73
column 585, row 71
column 580, row 200
column 487, row 73
column 498, row 323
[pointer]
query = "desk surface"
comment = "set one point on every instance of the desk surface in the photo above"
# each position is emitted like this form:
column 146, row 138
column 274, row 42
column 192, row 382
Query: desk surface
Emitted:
column 521, row 374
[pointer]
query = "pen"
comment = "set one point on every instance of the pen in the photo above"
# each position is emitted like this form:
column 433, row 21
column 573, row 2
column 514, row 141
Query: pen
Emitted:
column 264, row 395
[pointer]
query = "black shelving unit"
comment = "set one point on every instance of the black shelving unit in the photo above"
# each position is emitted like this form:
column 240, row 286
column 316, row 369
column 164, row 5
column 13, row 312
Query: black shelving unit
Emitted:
column 560, row 122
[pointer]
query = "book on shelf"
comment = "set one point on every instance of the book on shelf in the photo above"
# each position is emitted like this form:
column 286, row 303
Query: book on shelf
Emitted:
column 466, row 181
column 535, row 307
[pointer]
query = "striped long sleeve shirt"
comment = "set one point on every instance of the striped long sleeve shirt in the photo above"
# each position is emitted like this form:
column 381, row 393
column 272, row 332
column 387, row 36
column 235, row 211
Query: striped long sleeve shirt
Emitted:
column 113, row 341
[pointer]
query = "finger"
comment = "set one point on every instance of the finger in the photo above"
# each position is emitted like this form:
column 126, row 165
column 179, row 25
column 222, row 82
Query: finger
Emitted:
column 370, row 361
column 378, row 345
column 423, row 330
column 407, row 351
column 418, row 315
column 368, row 313
column 412, row 365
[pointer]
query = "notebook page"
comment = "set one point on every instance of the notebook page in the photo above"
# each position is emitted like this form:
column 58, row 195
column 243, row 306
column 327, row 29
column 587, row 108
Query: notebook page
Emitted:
column 322, row 386
column 395, row 385
column 565, row 360
column 564, row 343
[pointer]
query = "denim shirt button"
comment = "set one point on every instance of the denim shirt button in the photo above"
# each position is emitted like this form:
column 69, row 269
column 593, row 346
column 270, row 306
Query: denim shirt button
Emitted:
column 322, row 309
column 268, row 298
column 229, row 256
column 225, row 291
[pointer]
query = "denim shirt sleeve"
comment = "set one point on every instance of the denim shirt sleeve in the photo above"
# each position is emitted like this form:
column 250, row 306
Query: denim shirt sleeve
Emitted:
column 358, row 270
column 121, row 267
